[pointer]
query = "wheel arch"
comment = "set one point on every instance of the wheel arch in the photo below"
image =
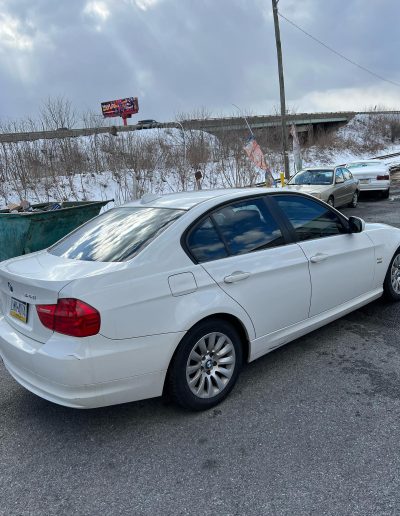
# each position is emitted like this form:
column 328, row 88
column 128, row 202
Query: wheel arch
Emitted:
column 387, row 288
column 239, row 326
column 227, row 317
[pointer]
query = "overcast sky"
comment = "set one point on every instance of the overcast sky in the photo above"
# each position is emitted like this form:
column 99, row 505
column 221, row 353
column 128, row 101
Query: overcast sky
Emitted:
column 179, row 56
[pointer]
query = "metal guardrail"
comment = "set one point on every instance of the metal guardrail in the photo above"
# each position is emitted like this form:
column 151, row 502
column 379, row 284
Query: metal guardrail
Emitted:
column 387, row 156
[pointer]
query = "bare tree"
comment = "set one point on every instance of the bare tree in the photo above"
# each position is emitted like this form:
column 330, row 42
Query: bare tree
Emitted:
column 56, row 113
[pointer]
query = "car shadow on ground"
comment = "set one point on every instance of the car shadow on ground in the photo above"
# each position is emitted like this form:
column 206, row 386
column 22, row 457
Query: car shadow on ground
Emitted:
column 371, row 197
column 136, row 415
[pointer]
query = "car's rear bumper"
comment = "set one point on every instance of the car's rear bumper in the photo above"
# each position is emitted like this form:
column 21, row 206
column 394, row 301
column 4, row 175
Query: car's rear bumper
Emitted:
column 88, row 373
column 90, row 395
column 374, row 185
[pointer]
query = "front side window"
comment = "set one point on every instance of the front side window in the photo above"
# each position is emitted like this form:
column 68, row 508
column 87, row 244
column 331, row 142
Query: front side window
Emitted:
column 339, row 177
column 116, row 235
column 347, row 174
column 309, row 218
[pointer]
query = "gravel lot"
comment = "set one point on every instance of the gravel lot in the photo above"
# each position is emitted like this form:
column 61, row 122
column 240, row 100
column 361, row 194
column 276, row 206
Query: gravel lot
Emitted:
column 312, row 428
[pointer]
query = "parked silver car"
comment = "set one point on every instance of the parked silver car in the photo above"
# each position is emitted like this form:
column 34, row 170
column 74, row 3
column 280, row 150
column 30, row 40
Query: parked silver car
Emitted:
column 334, row 185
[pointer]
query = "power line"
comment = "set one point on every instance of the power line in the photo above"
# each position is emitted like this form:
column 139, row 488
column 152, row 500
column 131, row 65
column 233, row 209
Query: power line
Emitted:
column 338, row 53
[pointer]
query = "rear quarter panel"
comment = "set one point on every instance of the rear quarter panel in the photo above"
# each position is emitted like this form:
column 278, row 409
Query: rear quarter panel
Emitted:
column 139, row 300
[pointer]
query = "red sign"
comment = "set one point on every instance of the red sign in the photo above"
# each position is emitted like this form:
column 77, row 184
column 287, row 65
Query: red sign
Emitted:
column 121, row 107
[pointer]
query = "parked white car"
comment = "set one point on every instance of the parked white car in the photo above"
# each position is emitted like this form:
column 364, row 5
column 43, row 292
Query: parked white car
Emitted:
column 174, row 293
column 373, row 175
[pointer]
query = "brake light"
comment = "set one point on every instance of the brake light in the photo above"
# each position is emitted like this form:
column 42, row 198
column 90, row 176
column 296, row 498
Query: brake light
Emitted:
column 383, row 177
column 70, row 317
column 46, row 315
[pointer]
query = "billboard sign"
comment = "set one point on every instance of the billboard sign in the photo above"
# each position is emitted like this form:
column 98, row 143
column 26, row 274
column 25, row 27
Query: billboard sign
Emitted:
column 121, row 107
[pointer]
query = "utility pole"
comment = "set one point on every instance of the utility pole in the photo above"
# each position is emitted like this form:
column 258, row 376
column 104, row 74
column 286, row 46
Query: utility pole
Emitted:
column 281, row 89
column 184, row 146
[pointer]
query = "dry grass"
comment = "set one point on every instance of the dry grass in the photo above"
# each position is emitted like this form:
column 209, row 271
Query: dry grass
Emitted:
column 47, row 169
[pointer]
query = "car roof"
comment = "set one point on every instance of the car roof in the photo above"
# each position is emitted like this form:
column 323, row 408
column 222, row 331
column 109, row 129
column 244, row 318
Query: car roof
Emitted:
column 187, row 200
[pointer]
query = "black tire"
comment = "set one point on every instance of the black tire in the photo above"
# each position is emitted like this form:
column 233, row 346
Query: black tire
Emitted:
column 331, row 201
column 177, row 383
column 385, row 194
column 388, row 289
column 354, row 200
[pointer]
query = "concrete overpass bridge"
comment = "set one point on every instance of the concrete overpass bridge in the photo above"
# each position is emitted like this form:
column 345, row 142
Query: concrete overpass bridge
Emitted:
column 302, row 121
column 305, row 122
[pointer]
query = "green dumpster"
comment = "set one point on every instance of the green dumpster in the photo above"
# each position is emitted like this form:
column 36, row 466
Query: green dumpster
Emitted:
column 26, row 232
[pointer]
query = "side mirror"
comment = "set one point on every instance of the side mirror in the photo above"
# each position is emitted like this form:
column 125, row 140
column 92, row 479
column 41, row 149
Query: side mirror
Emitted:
column 356, row 224
column 339, row 180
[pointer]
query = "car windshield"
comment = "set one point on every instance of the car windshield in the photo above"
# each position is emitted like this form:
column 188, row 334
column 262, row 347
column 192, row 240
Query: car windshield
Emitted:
column 116, row 235
column 312, row 177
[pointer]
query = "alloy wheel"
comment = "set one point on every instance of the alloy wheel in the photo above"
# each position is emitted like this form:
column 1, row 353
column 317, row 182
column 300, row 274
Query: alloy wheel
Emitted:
column 395, row 274
column 210, row 365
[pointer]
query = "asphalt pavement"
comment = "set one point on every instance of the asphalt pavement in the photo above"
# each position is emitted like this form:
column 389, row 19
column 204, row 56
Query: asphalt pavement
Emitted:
column 310, row 429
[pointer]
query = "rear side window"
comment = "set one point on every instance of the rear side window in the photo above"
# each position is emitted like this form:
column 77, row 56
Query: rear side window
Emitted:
column 205, row 243
column 116, row 235
column 309, row 218
column 247, row 226
column 234, row 229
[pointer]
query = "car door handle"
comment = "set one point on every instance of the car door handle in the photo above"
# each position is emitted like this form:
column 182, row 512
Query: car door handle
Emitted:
column 236, row 276
column 319, row 257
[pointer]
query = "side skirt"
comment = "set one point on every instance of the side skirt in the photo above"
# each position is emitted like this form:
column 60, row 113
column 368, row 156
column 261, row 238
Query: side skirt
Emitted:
column 267, row 343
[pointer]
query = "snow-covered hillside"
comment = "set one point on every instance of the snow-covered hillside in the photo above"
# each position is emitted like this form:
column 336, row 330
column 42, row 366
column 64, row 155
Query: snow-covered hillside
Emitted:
column 164, row 160
column 364, row 137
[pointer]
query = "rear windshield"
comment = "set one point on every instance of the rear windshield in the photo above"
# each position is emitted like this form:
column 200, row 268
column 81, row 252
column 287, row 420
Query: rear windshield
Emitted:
column 115, row 236
column 364, row 164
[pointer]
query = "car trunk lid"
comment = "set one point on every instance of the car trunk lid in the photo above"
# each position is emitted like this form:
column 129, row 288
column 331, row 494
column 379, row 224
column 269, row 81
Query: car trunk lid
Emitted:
column 369, row 172
column 37, row 279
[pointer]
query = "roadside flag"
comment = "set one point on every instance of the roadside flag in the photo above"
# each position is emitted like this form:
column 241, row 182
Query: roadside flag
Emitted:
column 296, row 149
column 255, row 154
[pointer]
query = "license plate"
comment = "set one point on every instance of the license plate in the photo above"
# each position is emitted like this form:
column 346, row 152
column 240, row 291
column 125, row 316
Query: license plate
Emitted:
column 19, row 310
column 364, row 181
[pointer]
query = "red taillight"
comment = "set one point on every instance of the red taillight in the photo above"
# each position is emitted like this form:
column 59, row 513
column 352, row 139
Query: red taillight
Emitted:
column 383, row 177
column 71, row 317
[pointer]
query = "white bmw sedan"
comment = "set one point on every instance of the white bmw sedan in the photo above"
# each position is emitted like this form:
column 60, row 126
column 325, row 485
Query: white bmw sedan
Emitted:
column 174, row 293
